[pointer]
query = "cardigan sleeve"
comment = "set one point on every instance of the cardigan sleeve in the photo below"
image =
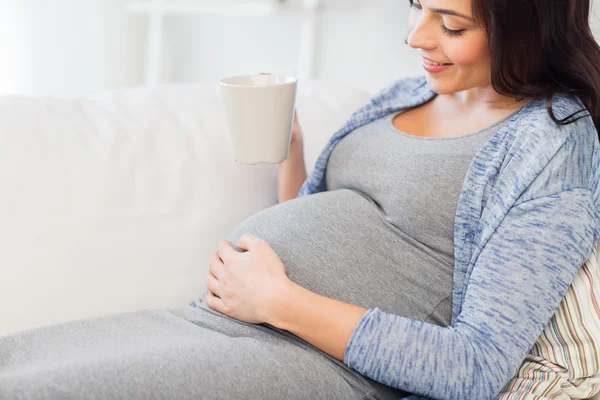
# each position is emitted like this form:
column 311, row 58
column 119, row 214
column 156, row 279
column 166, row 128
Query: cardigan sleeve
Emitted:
column 517, row 281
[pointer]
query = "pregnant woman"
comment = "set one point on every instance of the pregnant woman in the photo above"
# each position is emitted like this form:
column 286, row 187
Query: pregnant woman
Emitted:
column 423, row 256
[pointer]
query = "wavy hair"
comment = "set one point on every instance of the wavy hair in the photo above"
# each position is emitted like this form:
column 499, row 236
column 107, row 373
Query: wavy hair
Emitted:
column 542, row 47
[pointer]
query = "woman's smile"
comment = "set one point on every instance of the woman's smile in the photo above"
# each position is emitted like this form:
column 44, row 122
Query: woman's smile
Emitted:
column 434, row 67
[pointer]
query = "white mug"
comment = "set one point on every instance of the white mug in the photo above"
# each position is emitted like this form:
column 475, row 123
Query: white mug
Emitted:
column 259, row 112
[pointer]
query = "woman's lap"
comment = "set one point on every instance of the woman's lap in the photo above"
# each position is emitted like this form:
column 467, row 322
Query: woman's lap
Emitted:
column 188, row 353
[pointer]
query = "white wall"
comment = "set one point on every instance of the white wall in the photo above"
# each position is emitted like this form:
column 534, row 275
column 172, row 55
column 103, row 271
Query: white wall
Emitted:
column 15, row 43
column 363, row 48
column 69, row 47
column 79, row 47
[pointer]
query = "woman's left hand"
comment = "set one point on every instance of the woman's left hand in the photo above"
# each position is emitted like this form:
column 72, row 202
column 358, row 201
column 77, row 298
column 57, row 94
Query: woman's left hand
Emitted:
column 246, row 285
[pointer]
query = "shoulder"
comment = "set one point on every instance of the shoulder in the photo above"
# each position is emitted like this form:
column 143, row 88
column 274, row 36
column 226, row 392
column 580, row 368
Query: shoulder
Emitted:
column 537, row 119
column 534, row 131
column 557, row 157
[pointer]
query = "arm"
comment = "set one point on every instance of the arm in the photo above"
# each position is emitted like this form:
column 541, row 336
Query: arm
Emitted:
column 291, row 174
column 517, row 282
column 324, row 322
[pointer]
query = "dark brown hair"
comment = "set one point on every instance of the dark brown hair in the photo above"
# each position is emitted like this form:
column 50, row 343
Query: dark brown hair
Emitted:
column 542, row 47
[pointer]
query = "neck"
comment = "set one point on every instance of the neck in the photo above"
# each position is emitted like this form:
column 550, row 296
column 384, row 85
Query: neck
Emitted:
column 483, row 97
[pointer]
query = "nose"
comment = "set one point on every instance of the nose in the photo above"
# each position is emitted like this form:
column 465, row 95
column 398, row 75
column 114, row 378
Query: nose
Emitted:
column 421, row 34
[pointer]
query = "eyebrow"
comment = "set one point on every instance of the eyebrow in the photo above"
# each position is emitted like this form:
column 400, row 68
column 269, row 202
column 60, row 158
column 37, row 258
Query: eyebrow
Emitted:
column 450, row 12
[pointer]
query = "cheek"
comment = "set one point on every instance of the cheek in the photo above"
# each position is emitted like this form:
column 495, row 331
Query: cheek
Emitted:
column 468, row 53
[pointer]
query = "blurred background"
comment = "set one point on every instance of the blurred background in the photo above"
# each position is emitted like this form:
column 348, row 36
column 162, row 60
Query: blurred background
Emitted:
column 80, row 47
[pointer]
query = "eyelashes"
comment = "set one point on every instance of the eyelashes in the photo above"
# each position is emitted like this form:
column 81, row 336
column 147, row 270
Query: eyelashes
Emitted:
column 445, row 30
column 415, row 5
column 452, row 33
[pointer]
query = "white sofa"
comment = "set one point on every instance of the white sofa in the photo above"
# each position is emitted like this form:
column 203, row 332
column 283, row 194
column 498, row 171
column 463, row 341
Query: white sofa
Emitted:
column 114, row 203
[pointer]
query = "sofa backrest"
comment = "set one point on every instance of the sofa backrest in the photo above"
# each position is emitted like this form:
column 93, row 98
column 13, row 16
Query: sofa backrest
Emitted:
column 115, row 202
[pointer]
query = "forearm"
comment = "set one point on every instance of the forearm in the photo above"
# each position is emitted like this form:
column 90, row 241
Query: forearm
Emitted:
column 323, row 322
column 291, row 174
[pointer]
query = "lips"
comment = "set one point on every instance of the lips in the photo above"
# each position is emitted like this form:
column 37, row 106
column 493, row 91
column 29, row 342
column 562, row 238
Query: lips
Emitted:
column 434, row 67
column 434, row 63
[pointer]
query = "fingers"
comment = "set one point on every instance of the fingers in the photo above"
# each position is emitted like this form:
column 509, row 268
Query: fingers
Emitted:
column 216, row 266
column 212, row 283
column 247, row 241
column 226, row 252
column 214, row 302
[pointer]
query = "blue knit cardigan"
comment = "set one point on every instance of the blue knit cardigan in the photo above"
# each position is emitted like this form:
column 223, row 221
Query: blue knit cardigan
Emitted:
column 527, row 219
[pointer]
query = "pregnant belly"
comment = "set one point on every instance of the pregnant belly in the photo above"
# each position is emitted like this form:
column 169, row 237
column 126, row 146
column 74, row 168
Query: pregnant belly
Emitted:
column 337, row 244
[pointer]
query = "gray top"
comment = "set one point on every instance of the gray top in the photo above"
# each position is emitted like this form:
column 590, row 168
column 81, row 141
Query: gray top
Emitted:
column 381, row 235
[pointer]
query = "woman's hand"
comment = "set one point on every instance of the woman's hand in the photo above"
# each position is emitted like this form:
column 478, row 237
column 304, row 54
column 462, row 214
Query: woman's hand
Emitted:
column 246, row 285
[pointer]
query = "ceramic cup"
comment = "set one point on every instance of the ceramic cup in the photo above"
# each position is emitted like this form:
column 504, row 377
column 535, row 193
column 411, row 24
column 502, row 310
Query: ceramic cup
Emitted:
column 259, row 112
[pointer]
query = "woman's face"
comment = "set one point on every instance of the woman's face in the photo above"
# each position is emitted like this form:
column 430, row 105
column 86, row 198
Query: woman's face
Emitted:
column 444, row 32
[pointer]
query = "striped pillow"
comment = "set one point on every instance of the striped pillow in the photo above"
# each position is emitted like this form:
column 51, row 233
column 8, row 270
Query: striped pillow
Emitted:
column 564, row 363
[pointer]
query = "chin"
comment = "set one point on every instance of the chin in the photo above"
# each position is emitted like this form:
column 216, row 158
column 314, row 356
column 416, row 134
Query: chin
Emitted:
column 442, row 85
